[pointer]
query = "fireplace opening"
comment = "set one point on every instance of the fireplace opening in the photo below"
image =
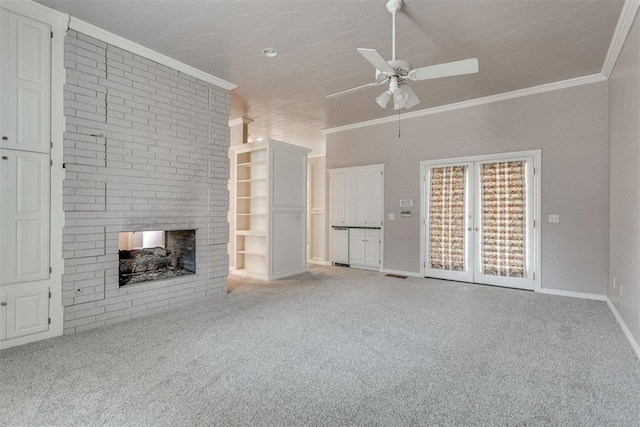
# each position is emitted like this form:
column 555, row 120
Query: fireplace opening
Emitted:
column 156, row 255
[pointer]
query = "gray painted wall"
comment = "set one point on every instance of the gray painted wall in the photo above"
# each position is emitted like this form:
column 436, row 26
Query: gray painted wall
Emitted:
column 570, row 126
column 624, row 257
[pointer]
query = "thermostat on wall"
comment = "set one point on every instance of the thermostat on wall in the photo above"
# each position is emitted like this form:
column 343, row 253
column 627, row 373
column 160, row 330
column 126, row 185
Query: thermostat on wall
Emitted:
column 406, row 203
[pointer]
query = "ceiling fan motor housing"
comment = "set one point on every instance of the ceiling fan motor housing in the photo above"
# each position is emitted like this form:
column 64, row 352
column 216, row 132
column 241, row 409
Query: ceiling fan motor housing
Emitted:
column 400, row 67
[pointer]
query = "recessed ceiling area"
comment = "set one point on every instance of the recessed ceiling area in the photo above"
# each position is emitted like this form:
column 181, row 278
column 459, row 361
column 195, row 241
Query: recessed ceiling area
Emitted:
column 519, row 44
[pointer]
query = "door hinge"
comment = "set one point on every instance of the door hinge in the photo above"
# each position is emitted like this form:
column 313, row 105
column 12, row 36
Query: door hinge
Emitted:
column 534, row 171
column 534, row 223
column 50, row 162
column 49, row 295
column 50, row 269
column 534, row 276
column 49, row 320
column 51, row 34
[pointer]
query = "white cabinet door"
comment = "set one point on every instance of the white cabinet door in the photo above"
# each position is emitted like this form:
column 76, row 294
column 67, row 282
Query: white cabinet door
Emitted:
column 337, row 199
column 25, row 57
column 27, row 312
column 374, row 198
column 340, row 246
column 357, row 246
column 350, row 199
column 372, row 248
column 24, row 216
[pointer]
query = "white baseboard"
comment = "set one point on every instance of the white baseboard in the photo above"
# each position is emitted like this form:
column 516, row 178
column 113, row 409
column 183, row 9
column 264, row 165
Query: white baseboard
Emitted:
column 582, row 295
column 402, row 273
column 318, row 262
column 625, row 329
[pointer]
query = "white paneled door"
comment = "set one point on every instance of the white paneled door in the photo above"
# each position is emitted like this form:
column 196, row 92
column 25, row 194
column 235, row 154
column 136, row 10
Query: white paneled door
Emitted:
column 479, row 221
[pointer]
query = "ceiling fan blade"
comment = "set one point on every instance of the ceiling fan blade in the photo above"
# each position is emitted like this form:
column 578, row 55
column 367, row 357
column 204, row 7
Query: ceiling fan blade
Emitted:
column 455, row 68
column 377, row 60
column 355, row 89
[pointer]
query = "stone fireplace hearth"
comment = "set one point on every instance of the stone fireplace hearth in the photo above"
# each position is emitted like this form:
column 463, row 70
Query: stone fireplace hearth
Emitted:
column 155, row 255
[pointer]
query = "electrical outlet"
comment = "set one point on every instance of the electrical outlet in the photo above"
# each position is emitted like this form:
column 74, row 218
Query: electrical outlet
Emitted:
column 614, row 283
column 621, row 288
column 392, row 216
column 554, row 219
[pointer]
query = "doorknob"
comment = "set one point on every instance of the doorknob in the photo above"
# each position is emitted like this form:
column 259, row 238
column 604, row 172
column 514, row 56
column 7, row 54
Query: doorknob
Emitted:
column 477, row 228
column 4, row 138
column 469, row 229
column 5, row 158
column 3, row 304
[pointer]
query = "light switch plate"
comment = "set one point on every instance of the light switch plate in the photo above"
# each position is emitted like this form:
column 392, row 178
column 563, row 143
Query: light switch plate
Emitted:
column 406, row 203
column 554, row 219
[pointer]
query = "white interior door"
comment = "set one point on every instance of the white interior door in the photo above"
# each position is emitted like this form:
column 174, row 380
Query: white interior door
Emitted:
column 479, row 219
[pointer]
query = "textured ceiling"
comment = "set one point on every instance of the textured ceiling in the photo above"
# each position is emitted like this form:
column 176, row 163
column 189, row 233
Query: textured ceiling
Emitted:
column 519, row 43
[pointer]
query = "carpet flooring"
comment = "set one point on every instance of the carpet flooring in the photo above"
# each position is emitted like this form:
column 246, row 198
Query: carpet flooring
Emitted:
column 337, row 346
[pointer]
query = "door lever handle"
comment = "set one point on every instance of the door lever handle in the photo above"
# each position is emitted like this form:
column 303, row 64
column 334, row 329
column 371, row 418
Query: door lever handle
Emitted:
column 3, row 304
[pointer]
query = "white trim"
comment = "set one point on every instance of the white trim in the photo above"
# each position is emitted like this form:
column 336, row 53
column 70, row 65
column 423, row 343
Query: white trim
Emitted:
column 318, row 262
column 564, row 84
column 115, row 40
column 625, row 329
column 625, row 22
column 240, row 121
column 33, row 10
column 402, row 273
column 572, row 294
column 356, row 169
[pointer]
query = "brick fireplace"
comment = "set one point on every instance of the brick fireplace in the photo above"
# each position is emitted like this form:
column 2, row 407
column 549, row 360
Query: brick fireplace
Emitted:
column 145, row 148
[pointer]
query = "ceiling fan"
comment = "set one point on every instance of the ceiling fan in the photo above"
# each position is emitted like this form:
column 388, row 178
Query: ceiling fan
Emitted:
column 397, row 72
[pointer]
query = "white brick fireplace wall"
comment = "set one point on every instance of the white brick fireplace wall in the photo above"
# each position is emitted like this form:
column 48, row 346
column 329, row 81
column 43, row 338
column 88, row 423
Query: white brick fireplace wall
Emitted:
column 145, row 148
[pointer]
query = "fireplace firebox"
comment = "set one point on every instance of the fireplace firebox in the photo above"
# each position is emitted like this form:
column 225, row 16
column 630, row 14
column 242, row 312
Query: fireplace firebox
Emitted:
column 156, row 255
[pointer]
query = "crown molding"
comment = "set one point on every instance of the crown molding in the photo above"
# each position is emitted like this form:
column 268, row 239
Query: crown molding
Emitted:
column 115, row 40
column 33, row 10
column 240, row 120
column 625, row 22
column 549, row 87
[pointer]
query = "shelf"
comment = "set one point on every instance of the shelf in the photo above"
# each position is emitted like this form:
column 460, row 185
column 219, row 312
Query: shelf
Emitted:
column 254, row 233
column 262, row 178
column 256, row 163
column 252, row 253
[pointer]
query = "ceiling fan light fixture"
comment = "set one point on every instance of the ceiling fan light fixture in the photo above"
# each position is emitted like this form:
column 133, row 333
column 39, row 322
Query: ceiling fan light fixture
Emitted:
column 383, row 99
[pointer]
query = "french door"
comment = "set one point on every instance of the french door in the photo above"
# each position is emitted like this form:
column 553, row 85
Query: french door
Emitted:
column 479, row 221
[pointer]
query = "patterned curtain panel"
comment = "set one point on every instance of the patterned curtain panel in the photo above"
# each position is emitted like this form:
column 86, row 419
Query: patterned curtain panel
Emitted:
column 446, row 218
column 503, row 219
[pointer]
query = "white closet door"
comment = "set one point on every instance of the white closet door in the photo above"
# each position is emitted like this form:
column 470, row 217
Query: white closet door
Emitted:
column 3, row 316
column 25, row 58
column 372, row 248
column 24, row 216
column 337, row 199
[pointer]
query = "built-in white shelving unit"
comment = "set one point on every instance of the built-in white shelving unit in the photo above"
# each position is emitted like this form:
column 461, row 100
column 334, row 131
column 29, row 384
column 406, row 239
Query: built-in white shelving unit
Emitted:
column 270, row 209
